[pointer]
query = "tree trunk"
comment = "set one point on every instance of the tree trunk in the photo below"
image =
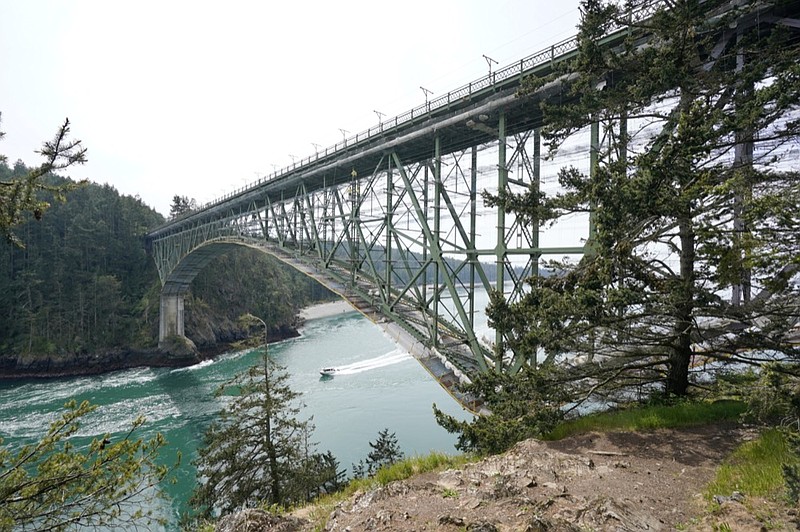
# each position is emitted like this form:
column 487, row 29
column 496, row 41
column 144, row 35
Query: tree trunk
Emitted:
column 272, row 453
column 678, row 372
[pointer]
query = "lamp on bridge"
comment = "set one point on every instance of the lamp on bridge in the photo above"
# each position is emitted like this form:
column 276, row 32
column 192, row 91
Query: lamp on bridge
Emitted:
column 426, row 92
column 489, row 61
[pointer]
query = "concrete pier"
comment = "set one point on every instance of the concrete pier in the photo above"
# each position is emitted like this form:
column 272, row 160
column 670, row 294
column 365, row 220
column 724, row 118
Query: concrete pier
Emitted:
column 171, row 319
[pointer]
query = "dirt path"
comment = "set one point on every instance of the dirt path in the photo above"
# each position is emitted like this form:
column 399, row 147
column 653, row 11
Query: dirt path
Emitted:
column 615, row 481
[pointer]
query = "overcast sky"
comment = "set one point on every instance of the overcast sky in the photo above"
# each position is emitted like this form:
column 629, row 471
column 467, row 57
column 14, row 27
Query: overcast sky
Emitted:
column 198, row 98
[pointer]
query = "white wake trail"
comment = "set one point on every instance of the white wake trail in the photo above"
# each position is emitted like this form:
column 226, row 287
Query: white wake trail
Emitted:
column 392, row 357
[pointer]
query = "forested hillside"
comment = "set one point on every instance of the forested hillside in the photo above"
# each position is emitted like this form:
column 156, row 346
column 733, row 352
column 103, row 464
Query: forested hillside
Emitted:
column 83, row 282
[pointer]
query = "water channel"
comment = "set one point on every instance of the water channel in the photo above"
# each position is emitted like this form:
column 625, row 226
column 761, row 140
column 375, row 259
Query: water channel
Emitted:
column 380, row 387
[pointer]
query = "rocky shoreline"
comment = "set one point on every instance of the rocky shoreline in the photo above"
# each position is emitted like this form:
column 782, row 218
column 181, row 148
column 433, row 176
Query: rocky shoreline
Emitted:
column 30, row 366
column 61, row 365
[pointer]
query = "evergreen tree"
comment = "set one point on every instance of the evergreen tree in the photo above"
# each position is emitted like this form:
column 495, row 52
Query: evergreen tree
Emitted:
column 256, row 452
column 690, row 198
column 332, row 477
column 181, row 205
column 20, row 194
column 521, row 406
column 319, row 474
column 84, row 281
column 385, row 451
column 359, row 469
column 54, row 484
column 245, row 280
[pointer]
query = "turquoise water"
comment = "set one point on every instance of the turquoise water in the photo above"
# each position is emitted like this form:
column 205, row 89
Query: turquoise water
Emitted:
column 380, row 387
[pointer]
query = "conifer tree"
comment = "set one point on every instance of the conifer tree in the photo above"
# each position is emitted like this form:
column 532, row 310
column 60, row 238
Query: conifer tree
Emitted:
column 385, row 451
column 21, row 194
column 54, row 484
column 524, row 405
column 181, row 205
column 320, row 474
column 255, row 452
column 693, row 197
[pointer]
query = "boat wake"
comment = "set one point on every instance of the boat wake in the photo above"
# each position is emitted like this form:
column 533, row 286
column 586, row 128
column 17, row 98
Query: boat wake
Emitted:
column 194, row 367
column 390, row 358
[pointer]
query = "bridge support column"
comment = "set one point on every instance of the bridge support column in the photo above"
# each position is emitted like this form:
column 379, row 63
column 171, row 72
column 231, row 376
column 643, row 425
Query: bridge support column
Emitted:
column 500, row 247
column 171, row 319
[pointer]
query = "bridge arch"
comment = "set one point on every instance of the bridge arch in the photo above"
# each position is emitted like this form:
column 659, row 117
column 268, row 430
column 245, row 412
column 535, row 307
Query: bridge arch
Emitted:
column 391, row 218
column 396, row 231
column 177, row 283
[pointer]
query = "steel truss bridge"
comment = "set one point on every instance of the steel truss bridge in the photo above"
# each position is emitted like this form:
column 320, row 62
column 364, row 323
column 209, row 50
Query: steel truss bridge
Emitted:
column 392, row 219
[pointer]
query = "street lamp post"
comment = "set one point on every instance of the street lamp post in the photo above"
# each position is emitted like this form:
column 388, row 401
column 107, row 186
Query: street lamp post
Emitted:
column 489, row 61
column 262, row 322
column 426, row 92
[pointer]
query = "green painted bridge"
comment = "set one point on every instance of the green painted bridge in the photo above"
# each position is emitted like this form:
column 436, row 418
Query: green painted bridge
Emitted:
column 391, row 218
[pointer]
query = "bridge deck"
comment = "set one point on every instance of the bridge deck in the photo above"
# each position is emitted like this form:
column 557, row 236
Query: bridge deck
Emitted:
column 409, row 134
column 390, row 218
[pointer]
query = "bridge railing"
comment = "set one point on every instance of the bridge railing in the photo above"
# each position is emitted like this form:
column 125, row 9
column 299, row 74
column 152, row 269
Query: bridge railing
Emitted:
column 553, row 54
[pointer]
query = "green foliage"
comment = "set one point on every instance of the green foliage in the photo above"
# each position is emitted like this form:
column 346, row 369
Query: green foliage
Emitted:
column 681, row 215
column 522, row 406
column 321, row 474
column 405, row 468
column 85, row 283
column 20, row 192
column 257, row 452
column 391, row 472
column 54, row 484
column 449, row 493
column 755, row 468
column 242, row 282
column 791, row 470
column 181, row 205
column 684, row 413
column 385, row 452
column 84, row 280
column 774, row 399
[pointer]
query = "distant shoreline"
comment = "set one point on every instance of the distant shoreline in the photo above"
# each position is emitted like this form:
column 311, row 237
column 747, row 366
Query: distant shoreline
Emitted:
column 326, row 310
column 27, row 366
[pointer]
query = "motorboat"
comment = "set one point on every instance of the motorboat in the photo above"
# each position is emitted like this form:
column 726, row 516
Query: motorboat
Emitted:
column 328, row 372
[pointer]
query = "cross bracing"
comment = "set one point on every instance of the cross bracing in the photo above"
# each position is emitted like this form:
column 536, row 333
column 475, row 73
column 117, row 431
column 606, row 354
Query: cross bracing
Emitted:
column 410, row 240
column 392, row 218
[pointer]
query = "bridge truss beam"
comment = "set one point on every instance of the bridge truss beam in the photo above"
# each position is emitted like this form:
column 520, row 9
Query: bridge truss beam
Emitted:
column 411, row 241
column 392, row 219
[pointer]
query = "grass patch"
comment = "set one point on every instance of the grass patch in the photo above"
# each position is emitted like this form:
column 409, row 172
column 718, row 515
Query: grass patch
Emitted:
column 399, row 471
column 754, row 469
column 418, row 464
column 651, row 418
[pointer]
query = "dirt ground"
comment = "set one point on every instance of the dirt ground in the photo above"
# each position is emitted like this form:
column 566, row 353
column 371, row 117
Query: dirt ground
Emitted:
column 612, row 481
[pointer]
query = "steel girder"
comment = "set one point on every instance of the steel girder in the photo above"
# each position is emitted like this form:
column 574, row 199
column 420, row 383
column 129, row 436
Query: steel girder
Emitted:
column 407, row 239
column 393, row 218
